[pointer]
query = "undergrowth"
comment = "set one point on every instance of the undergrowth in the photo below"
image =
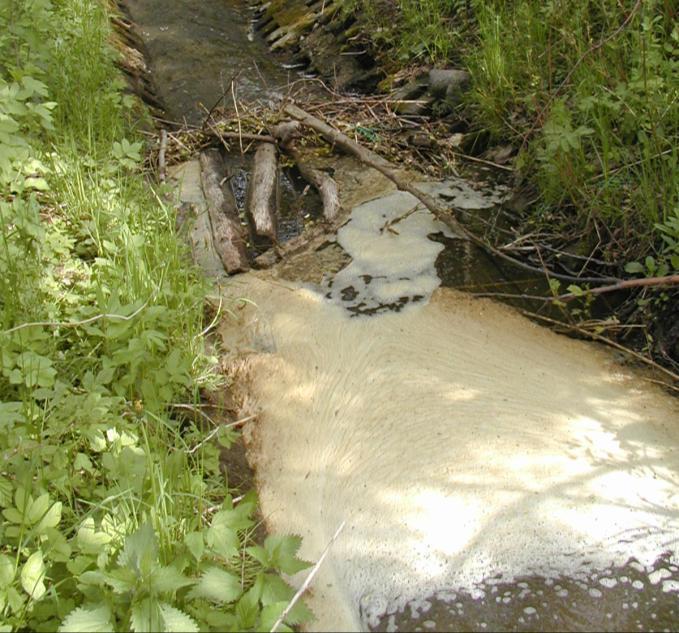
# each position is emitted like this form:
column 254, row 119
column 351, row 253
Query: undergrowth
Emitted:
column 588, row 90
column 116, row 513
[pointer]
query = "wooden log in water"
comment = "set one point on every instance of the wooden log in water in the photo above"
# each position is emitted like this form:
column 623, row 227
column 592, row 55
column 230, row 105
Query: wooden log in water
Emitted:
column 263, row 194
column 326, row 186
column 227, row 232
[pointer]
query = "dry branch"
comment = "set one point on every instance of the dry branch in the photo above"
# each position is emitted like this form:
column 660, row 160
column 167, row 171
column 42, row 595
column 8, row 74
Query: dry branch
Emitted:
column 227, row 231
column 370, row 158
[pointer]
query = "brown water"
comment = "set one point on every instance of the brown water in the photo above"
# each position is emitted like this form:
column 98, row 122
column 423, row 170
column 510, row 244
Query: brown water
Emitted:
column 531, row 447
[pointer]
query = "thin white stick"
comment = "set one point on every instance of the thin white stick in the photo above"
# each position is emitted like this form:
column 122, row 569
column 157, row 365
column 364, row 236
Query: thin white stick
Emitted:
column 217, row 430
column 77, row 323
column 309, row 578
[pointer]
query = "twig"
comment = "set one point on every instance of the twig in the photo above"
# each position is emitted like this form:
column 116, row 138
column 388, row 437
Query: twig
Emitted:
column 98, row 317
column 669, row 280
column 443, row 214
column 216, row 430
column 603, row 339
column 235, row 105
column 307, row 582
column 161, row 155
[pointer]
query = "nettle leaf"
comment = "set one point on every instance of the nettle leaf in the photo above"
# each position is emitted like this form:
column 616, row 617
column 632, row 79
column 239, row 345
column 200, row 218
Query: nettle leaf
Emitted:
column 168, row 580
column 270, row 615
column 85, row 619
column 282, row 553
column 217, row 585
column 247, row 609
column 11, row 413
column 177, row 621
column 32, row 574
column 223, row 540
column 146, row 616
column 276, row 590
column 140, row 552
column 195, row 544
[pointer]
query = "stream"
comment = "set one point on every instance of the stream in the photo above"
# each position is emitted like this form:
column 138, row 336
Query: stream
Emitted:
column 487, row 473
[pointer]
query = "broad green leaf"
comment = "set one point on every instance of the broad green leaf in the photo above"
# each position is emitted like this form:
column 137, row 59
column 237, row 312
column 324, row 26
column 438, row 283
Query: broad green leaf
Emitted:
column 38, row 509
column 13, row 516
column 634, row 267
column 146, row 616
column 32, row 574
column 6, row 570
column 5, row 492
column 576, row 290
column 86, row 619
column 52, row 517
column 194, row 543
column 176, row 621
column 282, row 552
column 89, row 540
column 247, row 609
column 270, row 615
column 223, row 540
column 140, row 552
column 218, row 586
column 168, row 580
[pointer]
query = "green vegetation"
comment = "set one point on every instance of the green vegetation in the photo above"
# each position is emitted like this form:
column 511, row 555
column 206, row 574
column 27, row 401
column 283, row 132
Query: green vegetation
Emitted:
column 588, row 90
column 116, row 513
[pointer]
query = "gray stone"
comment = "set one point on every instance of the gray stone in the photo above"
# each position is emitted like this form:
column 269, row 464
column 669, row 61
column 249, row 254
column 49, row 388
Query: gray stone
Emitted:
column 448, row 81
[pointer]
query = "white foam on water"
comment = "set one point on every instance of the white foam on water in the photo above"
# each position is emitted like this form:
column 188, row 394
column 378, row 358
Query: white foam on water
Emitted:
column 457, row 440
column 393, row 267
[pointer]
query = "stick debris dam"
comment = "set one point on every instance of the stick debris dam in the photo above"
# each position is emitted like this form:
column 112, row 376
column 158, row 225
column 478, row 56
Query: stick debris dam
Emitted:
column 465, row 447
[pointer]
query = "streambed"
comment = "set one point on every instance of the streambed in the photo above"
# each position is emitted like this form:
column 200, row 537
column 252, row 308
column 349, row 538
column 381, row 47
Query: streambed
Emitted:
column 489, row 474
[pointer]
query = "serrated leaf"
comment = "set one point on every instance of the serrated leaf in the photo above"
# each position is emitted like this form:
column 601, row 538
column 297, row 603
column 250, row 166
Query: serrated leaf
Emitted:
column 176, row 621
column 85, row 619
column 146, row 617
column 223, row 540
column 282, row 552
column 13, row 516
column 168, row 580
column 270, row 615
column 32, row 574
column 247, row 609
column 259, row 554
column 195, row 544
column 575, row 290
column 140, row 551
column 217, row 585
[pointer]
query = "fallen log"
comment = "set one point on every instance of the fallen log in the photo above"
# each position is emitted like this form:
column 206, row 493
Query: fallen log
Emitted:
column 370, row 158
column 326, row 186
column 227, row 231
column 263, row 194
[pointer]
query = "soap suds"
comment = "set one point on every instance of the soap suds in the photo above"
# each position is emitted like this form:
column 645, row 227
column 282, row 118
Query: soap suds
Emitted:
column 458, row 440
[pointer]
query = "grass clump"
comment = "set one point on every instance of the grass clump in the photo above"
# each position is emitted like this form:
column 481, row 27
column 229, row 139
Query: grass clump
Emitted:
column 116, row 515
column 588, row 90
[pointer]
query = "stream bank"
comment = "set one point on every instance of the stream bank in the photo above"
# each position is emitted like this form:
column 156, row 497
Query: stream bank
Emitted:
column 469, row 453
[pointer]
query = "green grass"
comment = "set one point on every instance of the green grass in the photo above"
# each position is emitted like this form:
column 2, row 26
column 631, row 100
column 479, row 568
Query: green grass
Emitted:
column 587, row 89
column 116, row 512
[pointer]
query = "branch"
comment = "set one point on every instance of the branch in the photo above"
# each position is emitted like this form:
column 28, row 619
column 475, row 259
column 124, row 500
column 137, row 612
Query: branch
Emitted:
column 443, row 214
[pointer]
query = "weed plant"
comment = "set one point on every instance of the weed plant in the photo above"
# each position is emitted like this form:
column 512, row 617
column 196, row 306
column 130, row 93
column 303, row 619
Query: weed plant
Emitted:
column 116, row 515
column 588, row 89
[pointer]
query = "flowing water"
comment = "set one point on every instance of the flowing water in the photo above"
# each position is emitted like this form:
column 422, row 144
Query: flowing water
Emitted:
column 489, row 474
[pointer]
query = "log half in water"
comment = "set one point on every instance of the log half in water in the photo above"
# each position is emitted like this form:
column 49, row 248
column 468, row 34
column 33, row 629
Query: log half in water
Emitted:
column 227, row 231
column 263, row 193
column 286, row 133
